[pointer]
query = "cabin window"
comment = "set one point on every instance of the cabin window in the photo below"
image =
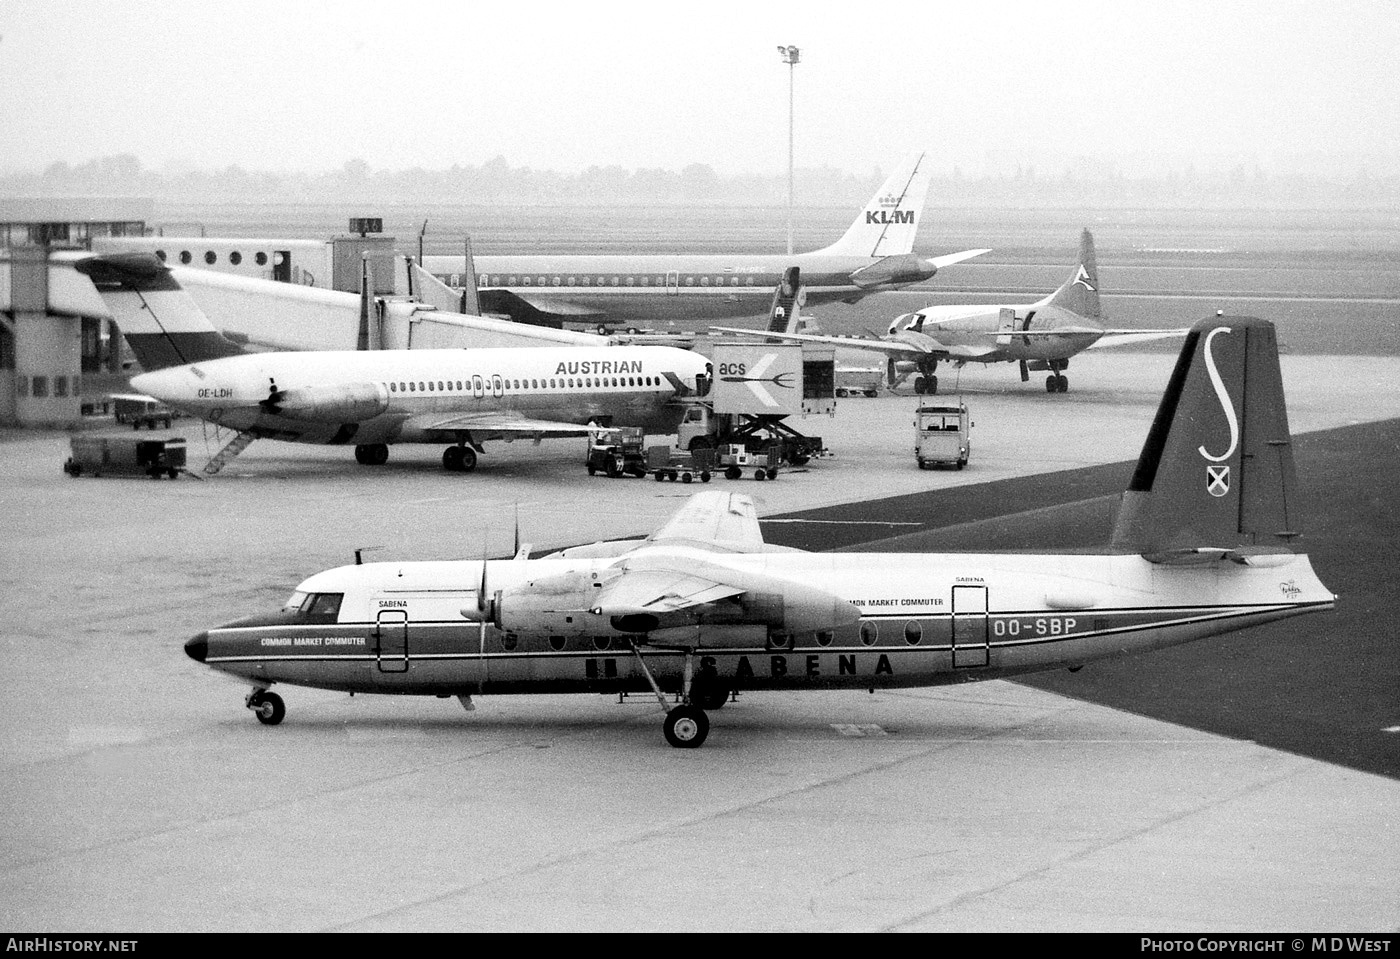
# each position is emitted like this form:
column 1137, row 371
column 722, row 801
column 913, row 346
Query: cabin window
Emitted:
column 235, row 258
column 690, row 281
column 393, row 387
column 260, row 259
column 508, row 641
column 733, row 281
column 824, row 637
column 558, row 280
column 571, row 382
column 185, row 256
column 571, row 282
column 913, row 632
column 526, row 282
column 211, row 257
column 704, row 281
column 557, row 643
column 542, row 281
column 631, row 280
column 869, row 632
column 588, row 383
column 748, row 281
column 601, row 642
column 513, row 280
column 551, row 385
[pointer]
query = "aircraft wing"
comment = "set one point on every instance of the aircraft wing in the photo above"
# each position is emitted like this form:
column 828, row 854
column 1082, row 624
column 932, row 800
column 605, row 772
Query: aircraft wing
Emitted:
column 660, row 591
column 1112, row 338
column 725, row 519
column 494, row 423
column 529, row 308
column 888, row 347
column 948, row 259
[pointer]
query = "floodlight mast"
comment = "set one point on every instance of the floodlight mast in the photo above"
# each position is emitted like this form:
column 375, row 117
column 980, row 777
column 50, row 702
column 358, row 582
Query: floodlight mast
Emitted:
column 790, row 55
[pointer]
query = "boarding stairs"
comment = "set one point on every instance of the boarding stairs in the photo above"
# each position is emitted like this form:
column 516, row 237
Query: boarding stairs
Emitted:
column 787, row 300
column 231, row 449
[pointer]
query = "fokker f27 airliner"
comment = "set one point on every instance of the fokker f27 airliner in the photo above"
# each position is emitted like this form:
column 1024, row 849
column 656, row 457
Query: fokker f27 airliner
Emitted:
column 876, row 253
column 1038, row 336
column 1205, row 543
column 374, row 398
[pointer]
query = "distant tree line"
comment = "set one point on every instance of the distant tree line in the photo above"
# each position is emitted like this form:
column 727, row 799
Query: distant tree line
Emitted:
column 1087, row 183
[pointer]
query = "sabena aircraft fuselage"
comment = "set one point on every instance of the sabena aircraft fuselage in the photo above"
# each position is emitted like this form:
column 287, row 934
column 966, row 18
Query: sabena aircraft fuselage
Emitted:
column 1205, row 542
column 397, row 396
column 883, row 620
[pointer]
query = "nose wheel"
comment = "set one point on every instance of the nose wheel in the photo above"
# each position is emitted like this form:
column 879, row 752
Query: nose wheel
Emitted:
column 268, row 707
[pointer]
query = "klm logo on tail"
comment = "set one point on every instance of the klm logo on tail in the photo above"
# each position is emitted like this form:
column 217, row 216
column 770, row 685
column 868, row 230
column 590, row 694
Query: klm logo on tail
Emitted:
column 887, row 217
column 1218, row 476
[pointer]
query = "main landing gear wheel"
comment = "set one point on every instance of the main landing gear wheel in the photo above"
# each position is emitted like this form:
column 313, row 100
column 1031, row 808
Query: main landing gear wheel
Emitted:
column 459, row 459
column 371, row 454
column 268, row 707
column 686, row 727
column 926, row 384
column 1057, row 383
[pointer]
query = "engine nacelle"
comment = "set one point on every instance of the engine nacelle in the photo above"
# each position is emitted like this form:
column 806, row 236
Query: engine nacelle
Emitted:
column 902, row 268
column 553, row 605
column 331, row 404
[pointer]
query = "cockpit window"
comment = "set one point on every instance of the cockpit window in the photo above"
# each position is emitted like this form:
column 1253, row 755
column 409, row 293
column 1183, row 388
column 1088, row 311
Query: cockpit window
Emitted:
column 320, row 606
column 325, row 605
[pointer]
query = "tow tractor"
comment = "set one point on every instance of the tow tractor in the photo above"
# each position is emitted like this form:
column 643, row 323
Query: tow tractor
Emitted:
column 617, row 451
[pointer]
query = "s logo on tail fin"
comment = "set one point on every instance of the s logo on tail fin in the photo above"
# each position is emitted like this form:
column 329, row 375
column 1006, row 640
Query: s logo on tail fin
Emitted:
column 1227, row 407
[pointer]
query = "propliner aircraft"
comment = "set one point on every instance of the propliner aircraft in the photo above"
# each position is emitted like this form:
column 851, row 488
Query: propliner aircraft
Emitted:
column 1038, row 336
column 1203, row 545
column 874, row 254
column 378, row 397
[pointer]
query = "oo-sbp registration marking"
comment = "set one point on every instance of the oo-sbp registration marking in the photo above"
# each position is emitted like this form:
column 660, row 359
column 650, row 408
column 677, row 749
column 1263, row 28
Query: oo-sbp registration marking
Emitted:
column 1041, row 626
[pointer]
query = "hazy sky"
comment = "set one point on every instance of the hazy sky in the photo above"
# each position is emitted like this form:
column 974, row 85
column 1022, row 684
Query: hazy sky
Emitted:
column 293, row 85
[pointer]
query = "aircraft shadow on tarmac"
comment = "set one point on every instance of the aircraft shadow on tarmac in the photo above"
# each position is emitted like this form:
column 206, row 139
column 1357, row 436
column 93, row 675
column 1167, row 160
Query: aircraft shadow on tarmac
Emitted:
column 1323, row 688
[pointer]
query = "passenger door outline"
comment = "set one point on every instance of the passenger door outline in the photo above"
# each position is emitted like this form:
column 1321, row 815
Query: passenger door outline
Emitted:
column 970, row 627
column 390, row 639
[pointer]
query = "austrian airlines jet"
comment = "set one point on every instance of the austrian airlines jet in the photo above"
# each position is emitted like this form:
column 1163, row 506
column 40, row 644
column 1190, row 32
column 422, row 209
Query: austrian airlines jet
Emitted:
column 375, row 398
column 876, row 253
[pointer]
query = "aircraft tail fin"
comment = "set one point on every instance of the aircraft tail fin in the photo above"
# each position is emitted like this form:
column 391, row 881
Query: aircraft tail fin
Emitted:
column 159, row 319
column 1080, row 293
column 1216, row 474
column 889, row 222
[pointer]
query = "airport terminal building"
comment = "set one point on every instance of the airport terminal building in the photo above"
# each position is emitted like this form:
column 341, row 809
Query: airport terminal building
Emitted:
column 55, row 356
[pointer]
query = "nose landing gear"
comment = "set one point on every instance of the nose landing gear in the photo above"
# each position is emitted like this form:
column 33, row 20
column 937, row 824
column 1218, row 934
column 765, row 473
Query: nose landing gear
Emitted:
column 268, row 707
